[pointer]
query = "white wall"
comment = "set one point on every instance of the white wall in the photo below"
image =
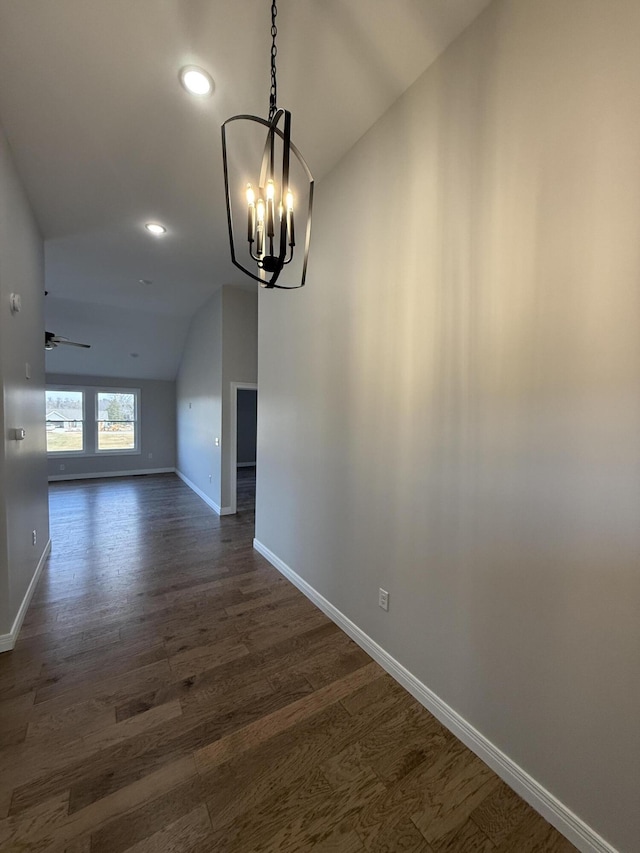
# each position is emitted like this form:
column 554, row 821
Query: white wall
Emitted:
column 199, row 401
column 157, row 425
column 451, row 409
column 23, row 483
column 221, row 348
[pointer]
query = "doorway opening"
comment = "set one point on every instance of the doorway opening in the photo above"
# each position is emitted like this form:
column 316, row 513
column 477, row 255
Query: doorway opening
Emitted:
column 244, row 428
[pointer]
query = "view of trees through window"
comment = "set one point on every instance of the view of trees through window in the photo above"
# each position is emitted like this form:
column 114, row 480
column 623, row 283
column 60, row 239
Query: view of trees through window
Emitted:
column 65, row 421
column 116, row 418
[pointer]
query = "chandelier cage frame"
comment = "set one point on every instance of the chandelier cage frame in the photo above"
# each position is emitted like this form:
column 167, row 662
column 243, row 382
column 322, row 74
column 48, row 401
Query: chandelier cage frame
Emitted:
column 278, row 257
column 267, row 169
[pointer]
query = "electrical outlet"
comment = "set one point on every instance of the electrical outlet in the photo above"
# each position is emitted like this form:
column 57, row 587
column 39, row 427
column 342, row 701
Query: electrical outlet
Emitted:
column 383, row 598
column 216, row 441
column 34, row 537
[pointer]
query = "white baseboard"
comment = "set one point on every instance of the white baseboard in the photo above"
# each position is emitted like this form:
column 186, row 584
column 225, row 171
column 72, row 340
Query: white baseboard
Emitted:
column 53, row 478
column 8, row 641
column 225, row 510
column 565, row 821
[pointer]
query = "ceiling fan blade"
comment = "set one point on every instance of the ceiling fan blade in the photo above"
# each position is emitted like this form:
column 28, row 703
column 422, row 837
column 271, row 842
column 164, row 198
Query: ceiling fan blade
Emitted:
column 51, row 341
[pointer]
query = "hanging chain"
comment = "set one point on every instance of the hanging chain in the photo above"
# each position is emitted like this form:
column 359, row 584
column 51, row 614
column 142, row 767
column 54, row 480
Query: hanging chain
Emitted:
column 273, row 95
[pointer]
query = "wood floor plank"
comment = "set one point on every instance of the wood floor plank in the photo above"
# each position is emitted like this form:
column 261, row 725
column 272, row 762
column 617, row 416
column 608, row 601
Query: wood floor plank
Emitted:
column 461, row 788
column 259, row 824
column 58, row 829
column 202, row 658
column 80, row 845
column 178, row 837
column 401, row 836
column 149, row 817
column 171, row 691
column 50, row 757
column 413, row 793
column 281, row 720
column 113, row 689
column 122, row 764
column 5, row 803
column 342, row 840
column 315, row 822
column 77, row 720
column 501, row 813
column 26, row 830
column 63, row 677
column 467, row 837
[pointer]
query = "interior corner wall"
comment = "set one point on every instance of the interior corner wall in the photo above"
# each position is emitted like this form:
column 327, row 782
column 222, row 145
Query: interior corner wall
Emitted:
column 199, row 402
column 23, row 468
column 239, row 363
column 157, row 424
column 450, row 408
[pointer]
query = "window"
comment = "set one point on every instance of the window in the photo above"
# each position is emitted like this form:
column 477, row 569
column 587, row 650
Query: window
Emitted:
column 116, row 421
column 65, row 421
column 115, row 414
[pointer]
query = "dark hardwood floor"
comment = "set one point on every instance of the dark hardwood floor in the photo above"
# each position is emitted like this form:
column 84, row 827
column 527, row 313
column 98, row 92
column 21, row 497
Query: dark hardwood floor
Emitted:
column 170, row 691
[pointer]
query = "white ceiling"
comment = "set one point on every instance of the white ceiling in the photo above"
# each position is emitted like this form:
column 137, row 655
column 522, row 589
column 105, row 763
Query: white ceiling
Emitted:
column 105, row 139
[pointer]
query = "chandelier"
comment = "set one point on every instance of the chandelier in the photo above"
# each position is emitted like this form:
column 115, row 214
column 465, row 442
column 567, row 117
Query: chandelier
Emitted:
column 272, row 196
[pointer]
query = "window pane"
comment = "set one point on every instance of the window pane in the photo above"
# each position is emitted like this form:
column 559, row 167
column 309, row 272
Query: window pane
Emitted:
column 116, row 421
column 116, row 436
column 64, row 411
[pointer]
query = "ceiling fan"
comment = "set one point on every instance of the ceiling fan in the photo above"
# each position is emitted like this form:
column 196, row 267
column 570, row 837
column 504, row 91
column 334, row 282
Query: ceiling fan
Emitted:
column 51, row 341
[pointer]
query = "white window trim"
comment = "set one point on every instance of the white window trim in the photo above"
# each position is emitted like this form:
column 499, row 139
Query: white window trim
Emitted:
column 89, row 391
column 134, row 451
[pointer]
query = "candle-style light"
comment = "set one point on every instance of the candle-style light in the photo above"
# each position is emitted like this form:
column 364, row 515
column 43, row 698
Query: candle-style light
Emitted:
column 260, row 231
column 290, row 227
column 251, row 217
column 270, row 242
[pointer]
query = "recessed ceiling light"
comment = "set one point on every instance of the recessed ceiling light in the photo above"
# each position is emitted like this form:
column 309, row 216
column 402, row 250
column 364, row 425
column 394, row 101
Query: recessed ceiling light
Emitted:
column 156, row 228
column 196, row 80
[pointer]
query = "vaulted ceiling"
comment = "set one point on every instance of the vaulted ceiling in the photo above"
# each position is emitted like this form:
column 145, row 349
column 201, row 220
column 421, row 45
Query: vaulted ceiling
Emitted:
column 105, row 139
